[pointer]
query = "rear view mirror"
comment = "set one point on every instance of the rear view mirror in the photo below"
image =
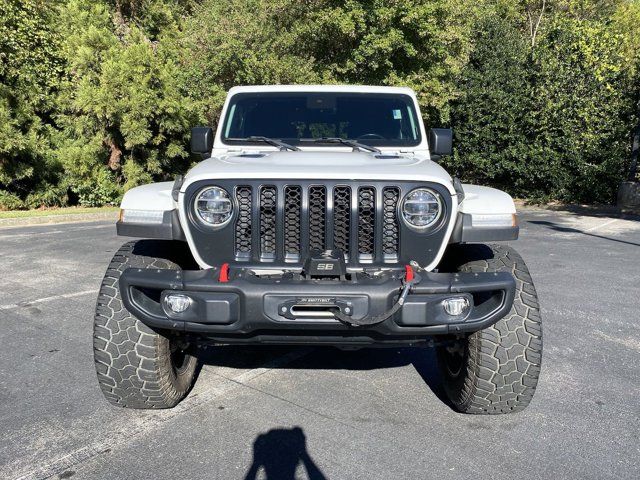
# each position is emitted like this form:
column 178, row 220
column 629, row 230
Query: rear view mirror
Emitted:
column 202, row 140
column 441, row 141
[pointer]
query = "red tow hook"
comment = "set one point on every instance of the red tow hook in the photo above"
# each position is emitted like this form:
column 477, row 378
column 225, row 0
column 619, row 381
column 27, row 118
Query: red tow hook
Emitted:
column 224, row 273
column 408, row 275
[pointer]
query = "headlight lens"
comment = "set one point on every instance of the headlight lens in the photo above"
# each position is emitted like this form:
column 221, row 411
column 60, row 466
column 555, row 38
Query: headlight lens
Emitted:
column 421, row 208
column 213, row 206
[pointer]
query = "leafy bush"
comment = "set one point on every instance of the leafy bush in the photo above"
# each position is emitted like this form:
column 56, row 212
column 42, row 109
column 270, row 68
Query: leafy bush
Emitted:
column 102, row 189
column 47, row 195
column 30, row 68
column 9, row 201
column 121, row 104
column 491, row 117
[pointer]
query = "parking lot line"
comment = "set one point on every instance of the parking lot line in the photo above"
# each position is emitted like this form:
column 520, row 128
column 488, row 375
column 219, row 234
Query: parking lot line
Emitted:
column 602, row 225
column 28, row 303
column 626, row 342
column 6, row 231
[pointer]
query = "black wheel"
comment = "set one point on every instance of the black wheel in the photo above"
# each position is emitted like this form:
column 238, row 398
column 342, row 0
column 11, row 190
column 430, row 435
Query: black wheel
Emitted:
column 494, row 370
column 139, row 367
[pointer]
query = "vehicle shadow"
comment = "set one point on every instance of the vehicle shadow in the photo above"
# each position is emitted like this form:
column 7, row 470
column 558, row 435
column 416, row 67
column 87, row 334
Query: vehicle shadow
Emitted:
column 565, row 229
column 423, row 360
column 279, row 453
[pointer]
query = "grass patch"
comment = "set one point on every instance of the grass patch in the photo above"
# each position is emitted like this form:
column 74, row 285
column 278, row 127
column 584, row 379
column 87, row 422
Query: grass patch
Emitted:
column 46, row 212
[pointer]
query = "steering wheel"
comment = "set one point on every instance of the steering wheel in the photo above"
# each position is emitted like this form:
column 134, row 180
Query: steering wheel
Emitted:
column 370, row 135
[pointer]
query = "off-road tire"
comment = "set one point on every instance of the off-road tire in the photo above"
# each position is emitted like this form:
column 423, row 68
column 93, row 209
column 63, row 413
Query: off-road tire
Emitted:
column 494, row 370
column 137, row 366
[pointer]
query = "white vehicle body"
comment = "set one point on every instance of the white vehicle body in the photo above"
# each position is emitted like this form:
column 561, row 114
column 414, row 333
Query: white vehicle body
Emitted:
column 485, row 207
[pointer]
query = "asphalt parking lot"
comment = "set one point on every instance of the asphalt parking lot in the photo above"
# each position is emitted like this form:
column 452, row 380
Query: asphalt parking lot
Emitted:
column 283, row 413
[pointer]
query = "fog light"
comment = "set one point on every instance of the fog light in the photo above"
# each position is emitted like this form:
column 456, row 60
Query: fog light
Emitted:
column 456, row 306
column 177, row 303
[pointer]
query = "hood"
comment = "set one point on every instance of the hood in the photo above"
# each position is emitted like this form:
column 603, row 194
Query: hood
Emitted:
column 320, row 165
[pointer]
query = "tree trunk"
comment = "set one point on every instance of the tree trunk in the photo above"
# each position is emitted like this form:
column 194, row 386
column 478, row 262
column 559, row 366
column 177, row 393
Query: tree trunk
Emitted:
column 115, row 154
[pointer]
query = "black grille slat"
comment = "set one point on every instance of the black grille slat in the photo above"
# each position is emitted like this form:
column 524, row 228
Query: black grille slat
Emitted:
column 268, row 221
column 391, row 228
column 292, row 217
column 366, row 221
column 341, row 218
column 243, row 224
column 317, row 217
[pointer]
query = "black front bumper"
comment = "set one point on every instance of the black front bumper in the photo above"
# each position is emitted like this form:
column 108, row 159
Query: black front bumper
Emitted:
column 250, row 309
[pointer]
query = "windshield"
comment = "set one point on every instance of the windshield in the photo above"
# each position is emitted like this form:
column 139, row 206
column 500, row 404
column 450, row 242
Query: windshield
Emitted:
column 371, row 118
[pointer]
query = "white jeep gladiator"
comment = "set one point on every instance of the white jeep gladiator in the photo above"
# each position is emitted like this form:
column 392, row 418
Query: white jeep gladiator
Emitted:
column 319, row 216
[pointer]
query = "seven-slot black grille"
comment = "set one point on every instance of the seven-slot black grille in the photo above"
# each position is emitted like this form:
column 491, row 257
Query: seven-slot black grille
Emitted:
column 291, row 220
column 277, row 222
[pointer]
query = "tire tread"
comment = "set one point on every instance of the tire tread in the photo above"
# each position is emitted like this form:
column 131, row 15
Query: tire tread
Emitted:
column 132, row 361
column 503, row 361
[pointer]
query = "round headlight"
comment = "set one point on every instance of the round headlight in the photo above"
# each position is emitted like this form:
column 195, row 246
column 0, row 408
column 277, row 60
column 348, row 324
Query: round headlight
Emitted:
column 421, row 208
column 213, row 206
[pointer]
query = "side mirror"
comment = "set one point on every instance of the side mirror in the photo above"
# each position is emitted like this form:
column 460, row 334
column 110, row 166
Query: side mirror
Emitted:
column 441, row 141
column 202, row 140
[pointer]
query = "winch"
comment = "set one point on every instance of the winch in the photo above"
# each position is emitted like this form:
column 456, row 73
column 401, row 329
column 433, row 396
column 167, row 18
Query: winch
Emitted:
column 326, row 263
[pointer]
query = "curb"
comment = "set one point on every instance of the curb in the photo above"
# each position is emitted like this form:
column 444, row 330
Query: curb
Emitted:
column 54, row 219
column 612, row 211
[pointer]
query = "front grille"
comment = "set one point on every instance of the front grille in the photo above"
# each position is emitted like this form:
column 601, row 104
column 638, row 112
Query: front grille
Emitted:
column 292, row 220
column 276, row 223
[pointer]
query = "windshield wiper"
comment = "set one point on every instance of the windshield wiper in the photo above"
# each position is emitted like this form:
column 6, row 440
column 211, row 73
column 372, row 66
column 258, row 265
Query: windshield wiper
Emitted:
column 349, row 143
column 276, row 143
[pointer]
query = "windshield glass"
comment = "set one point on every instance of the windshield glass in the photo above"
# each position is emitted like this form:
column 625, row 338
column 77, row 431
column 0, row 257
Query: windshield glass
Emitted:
column 371, row 118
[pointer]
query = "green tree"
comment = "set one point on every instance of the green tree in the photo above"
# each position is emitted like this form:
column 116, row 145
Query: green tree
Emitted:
column 492, row 135
column 240, row 42
column 422, row 44
column 581, row 112
column 548, row 103
column 30, row 68
column 124, row 114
